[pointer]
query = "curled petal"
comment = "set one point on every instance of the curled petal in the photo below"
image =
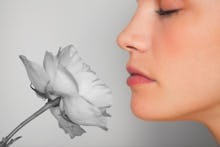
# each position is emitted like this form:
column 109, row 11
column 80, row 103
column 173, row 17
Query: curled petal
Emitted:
column 38, row 77
column 64, row 55
column 63, row 83
column 69, row 58
column 90, row 86
column 93, row 89
column 70, row 128
column 81, row 111
column 50, row 64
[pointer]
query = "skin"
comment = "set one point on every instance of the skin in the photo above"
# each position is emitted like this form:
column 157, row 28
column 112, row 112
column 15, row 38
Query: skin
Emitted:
column 181, row 52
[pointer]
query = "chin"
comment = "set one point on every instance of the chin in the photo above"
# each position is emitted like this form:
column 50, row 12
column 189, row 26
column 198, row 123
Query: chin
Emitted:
column 150, row 111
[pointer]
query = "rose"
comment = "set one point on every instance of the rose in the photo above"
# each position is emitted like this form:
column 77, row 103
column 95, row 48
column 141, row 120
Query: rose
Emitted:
column 84, row 97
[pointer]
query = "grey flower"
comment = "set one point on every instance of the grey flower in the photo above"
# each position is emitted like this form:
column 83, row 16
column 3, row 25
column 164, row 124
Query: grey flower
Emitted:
column 84, row 97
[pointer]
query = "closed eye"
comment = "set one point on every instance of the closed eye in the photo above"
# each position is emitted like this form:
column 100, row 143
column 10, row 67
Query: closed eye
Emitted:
column 162, row 12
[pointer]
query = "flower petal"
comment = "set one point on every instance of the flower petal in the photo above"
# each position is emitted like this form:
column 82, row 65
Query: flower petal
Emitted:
column 63, row 83
column 70, row 128
column 69, row 58
column 50, row 64
column 81, row 111
column 90, row 86
column 38, row 77
column 93, row 89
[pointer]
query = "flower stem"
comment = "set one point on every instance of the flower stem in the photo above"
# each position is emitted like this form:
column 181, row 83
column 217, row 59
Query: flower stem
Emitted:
column 49, row 104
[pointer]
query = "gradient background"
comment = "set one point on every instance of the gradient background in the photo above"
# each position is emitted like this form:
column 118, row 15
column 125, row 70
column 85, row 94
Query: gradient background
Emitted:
column 30, row 27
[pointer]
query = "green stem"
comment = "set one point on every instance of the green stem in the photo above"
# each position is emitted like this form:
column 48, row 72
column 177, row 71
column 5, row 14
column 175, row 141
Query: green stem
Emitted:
column 49, row 104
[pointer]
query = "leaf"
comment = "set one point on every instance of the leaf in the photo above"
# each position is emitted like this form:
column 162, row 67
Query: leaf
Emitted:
column 13, row 140
column 69, row 127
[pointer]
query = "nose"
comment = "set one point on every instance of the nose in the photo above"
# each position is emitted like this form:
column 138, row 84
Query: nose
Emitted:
column 138, row 35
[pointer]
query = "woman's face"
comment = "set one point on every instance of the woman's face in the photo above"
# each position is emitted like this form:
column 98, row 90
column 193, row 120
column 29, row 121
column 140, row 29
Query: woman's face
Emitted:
column 176, row 43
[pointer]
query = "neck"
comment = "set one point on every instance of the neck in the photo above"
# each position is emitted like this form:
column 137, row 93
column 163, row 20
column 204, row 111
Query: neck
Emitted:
column 214, row 128
column 211, row 119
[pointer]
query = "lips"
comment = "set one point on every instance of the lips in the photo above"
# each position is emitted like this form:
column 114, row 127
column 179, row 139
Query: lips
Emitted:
column 137, row 77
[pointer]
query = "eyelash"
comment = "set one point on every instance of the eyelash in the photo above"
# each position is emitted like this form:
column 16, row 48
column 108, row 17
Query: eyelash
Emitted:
column 162, row 12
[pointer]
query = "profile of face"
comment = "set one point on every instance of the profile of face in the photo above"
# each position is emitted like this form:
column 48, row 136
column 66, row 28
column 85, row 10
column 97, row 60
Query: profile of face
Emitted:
column 174, row 48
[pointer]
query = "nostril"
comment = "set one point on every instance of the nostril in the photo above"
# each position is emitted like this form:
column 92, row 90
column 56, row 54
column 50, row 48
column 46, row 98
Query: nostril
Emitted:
column 124, row 40
column 131, row 47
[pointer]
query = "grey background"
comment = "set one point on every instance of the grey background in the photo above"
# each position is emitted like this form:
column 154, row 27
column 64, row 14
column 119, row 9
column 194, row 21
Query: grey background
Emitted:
column 31, row 27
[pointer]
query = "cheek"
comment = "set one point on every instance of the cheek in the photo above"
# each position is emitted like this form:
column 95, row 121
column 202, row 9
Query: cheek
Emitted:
column 188, row 74
column 189, row 67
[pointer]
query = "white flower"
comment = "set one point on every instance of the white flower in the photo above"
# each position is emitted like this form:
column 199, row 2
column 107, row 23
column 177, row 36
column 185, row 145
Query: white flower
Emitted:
column 84, row 97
